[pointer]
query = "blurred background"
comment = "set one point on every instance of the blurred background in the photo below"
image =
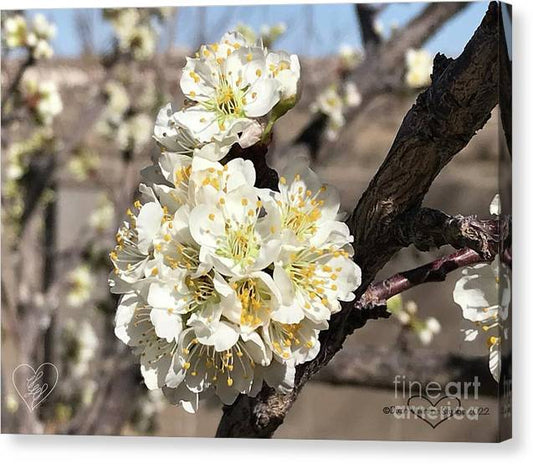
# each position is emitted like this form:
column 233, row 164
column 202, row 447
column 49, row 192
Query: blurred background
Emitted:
column 80, row 92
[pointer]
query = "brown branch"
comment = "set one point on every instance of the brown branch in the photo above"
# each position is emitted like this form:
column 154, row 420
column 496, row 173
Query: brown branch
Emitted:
column 378, row 293
column 13, row 87
column 444, row 119
column 366, row 17
column 427, row 228
column 378, row 367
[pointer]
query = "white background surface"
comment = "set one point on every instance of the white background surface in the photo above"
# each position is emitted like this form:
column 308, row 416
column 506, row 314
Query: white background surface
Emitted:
column 58, row 449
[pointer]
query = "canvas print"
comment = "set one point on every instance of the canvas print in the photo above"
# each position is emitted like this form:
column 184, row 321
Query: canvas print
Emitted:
column 286, row 221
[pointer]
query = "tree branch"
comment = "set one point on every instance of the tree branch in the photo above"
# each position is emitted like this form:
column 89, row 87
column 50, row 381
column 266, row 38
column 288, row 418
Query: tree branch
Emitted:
column 366, row 16
column 445, row 117
column 378, row 293
column 427, row 228
column 381, row 70
column 440, row 124
column 377, row 367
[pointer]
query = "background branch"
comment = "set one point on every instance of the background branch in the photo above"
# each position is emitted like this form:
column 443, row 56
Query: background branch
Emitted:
column 366, row 16
column 377, row 367
column 380, row 71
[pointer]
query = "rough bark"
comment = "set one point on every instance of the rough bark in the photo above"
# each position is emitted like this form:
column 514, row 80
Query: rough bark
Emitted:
column 445, row 117
column 443, row 120
column 428, row 228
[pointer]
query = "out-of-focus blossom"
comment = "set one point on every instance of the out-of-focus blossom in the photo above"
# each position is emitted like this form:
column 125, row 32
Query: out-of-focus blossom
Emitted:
column 102, row 217
column 349, row 57
column 43, row 99
column 135, row 132
column 36, row 36
column 86, row 348
column 89, row 389
column 419, row 65
column 81, row 283
column 83, row 164
column 134, row 31
column 12, row 403
column 15, row 31
column 406, row 313
column 351, row 95
column 267, row 36
column 331, row 104
column 431, row 328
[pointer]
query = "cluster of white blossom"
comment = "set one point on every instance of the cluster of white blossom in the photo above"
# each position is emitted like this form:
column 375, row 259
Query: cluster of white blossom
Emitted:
column 333, row 105
column 124, row 120
column 42, row 99
column 35, row 37
column 225, row 285
column 135, row 30
column 484, row 294
column 419, row 65
column 406, row 313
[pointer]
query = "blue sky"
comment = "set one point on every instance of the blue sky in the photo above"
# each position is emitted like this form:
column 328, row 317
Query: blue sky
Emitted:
column 331, row 25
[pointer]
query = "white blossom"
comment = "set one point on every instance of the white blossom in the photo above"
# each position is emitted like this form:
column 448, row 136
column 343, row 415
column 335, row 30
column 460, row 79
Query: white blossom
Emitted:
column 43, row 99
column 15, row 31
column 229, row 92
column 484, row 293
column 419, row 65
column 349, row 56
column 35, row 36
column 429, row 329
column 495, row 207
column 86, row 342
column 102, row 217
column 352, row 96
column 134, row 31
column 331, row 104
column 224, row 285
column 134, row 132
column 81, row 283
column 175, row 137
